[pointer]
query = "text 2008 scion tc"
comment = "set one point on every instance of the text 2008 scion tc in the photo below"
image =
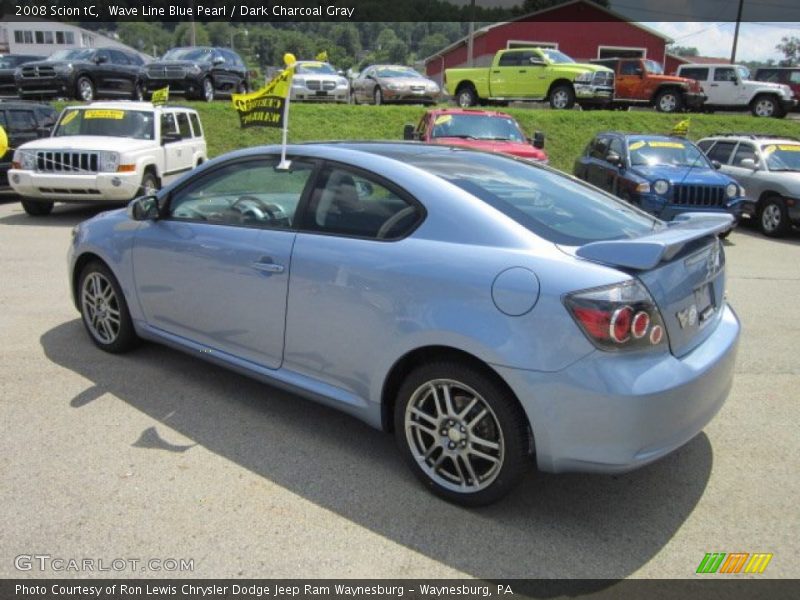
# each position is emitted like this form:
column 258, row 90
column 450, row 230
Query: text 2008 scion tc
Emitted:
column 483, row 308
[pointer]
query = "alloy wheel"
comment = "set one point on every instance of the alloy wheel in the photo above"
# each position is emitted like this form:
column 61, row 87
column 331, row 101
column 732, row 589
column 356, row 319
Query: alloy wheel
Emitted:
column 100, row 308
column 668, row 103
column 86, row 90
column 454, row 435
column 771, row 217
column 560, row 99
column 765, row 108
column 208, row 90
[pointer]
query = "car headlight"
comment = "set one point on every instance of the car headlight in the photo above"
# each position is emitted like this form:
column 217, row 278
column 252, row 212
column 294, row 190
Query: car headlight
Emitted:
column 298, row 81
column 108, row 161
column 432, row 87
column 584, row 78
column 194, row 70
column 26, row 159
column 661, row 187
column 342, row 82
column 394, row 86
column 731, row 190
column 64, row 69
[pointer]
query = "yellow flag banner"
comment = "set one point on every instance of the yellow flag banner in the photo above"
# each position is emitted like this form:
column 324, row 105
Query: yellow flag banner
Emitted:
column 681, row 129
column 160, row 96
column 265, row 107
column 3, row 142
column 323, row 56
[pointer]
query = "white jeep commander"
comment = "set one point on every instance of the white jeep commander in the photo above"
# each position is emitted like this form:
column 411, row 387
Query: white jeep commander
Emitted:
column 107, row 151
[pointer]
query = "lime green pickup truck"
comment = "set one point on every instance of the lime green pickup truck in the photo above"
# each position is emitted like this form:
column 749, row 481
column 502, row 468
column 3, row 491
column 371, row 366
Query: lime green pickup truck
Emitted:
column 532, row 74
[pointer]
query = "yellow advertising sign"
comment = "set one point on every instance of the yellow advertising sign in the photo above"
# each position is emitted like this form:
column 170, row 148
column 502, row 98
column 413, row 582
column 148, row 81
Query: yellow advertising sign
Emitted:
column 636, row 145
column 69, row 117
column 160, row 96
column 265, row 107
column 323, row 56
column 677, row 145
column 3, row 142
column 116, row 115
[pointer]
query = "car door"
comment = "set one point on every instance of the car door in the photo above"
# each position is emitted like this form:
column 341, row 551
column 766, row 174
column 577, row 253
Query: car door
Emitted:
column 597, row 167
column 215, row 269
column 361, row 83
column 749, row 178
column 699, row 74
column 531, row 79
column 105, row 75
column 346, row 285
column 629, row 80
column 185, row 147
column 220, row 71
column 502, row 75
column 724, row 88
column 173, row 144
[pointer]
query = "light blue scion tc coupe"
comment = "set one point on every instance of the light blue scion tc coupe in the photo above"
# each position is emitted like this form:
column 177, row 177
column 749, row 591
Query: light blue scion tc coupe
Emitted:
column 483, row 308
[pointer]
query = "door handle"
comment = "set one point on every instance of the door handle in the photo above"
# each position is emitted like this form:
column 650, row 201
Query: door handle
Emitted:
column 266, row 265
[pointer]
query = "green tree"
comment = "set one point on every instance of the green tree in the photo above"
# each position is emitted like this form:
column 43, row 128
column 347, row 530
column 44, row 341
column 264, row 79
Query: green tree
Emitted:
column 150, row 38
column 397, row 51
column 790, row 47
column 431, row 44
column 683, row 50
column 183, row 35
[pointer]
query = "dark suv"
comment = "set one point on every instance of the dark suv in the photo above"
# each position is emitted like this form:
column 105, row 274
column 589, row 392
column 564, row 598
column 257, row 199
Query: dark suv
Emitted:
column 23, row 122
column 9, row 64
column 786, row 75
column 198, row 72
column 84, row 74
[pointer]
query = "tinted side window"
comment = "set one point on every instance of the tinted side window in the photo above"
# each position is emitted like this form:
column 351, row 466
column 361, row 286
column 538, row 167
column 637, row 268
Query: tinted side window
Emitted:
column 771, row 75
column 349, row 203
column 616, row 146
column 700, row 74
column 509, row 59
column 118, row 57
column 600, row 147
column 721, row 152
column 629, row 67
column 168, row 123
column 183, row 126
column 198, row 131
column 742, row 152
column 100, row 54
column 251, row 193
column 21, row 121
column 705, row 145
column 794, row 77
column 724, row 74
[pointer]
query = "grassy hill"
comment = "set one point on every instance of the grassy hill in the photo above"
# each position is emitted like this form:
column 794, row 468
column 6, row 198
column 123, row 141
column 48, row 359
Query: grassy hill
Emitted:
column 567, row 132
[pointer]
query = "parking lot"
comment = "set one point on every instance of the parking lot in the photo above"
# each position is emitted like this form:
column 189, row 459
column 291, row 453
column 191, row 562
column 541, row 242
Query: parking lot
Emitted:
column 158, row 455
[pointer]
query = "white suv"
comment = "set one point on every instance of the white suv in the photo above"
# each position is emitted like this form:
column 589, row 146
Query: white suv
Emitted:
column 107, row 151
column 729, row 87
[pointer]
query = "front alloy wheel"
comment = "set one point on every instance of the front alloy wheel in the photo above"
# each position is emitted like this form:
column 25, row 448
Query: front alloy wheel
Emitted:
column 765, row 107
column 463, row 436
column 85, row 89
column 562, row 98
column 668, row 102
column 208, row 90
column 774, row 221
column 104, row 310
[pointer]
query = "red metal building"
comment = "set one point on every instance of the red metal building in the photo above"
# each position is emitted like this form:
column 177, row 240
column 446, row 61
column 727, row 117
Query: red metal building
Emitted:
column 580, row 29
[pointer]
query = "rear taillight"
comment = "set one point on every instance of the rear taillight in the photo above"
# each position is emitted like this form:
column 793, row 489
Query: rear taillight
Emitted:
column 617, row 317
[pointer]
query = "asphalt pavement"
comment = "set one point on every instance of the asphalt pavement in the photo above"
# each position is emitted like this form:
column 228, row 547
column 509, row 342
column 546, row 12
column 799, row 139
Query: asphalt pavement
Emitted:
column 156, row 455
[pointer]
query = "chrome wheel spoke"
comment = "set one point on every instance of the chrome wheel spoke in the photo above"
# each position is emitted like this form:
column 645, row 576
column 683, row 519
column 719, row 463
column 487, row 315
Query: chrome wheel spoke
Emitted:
column 431, row 429
column 462, row 481
column 483, row 455
column 468, row 408
column 485, row 443
column 477, row 419
column 448, row 400
column 470, row 470
column 101, row 309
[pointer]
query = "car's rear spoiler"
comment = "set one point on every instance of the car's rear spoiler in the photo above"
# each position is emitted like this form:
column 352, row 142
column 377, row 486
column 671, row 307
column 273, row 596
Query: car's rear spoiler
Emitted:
column 648, row 251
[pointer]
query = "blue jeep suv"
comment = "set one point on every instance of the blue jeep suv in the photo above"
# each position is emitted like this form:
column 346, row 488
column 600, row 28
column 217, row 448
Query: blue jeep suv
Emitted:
column 663, row 175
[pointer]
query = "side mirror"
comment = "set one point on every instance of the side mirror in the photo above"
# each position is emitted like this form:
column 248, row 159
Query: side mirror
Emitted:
column 639, row 72
column 748, row 163
column 716, row 164
column 170, row 137
column 44, row 130
column 100, row 59
column 408, row 132
column 538, row 139
column 218, row 60
column 536, row 61
column 143, row 208
column 614, row 159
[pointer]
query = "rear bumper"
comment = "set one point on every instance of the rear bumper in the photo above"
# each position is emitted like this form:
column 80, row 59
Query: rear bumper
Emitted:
column 96, row 187
column 610, row 414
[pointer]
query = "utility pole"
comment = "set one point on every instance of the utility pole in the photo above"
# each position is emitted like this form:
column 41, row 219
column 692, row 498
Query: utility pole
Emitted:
column 736, row 32
column 193, row 29
column 471, row 32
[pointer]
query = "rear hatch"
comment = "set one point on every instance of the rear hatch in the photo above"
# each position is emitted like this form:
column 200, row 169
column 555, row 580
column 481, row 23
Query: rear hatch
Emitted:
column 683, row 268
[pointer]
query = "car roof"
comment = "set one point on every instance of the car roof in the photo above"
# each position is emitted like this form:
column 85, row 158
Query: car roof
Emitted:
column 643, row 136
column 466, row 111
column 132, row 105
column 751, row 137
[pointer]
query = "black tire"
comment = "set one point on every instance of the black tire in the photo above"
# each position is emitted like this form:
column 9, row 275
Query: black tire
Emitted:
column 505, row 423
column 773, row 218
column 377, row 96
column 84, row 89
column 669, row 101
column 766, row 105
column 35, row 208
column 138, row 92
column 466, row 96
column 562, row 97
column 207, row 91
column 150, row 184
column 125, row 338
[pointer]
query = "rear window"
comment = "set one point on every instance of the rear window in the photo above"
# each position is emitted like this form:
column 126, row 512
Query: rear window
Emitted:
column 700, row 74
column 551, row 205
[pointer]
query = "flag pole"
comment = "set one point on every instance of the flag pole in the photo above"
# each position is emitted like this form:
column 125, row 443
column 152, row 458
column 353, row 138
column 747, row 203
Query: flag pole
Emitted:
column 284, row 165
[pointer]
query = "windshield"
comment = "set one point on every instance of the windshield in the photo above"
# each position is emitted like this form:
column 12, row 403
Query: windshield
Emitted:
column 477, row 127
column 314, row 68
column 75, row 54
column 672, row 153
column 397, row 72
column 782, row 157
column 551, row 205
column 744, row 73
column 106, row 122
column 187, row 54
column 654, row 67
column 556, row 56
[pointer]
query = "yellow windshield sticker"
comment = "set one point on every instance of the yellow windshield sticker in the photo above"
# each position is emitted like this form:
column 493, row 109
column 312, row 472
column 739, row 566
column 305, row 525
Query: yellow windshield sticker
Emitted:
column 442, row 119
column 69, row 117
column 636, row 145
column 313, row 65
column 770, row 149
column 104, row 114
column 666, row 145
column 789, row 147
